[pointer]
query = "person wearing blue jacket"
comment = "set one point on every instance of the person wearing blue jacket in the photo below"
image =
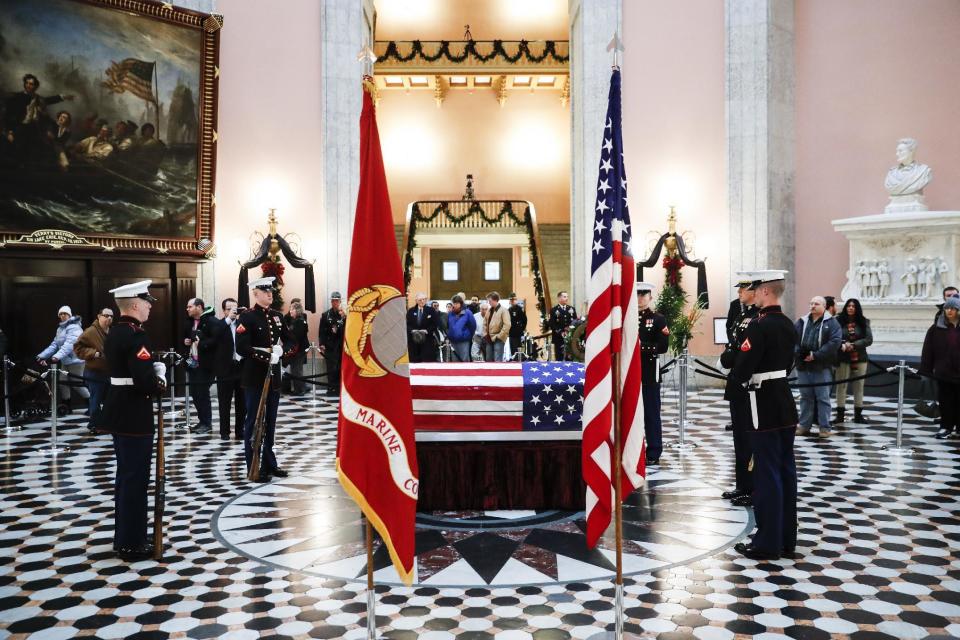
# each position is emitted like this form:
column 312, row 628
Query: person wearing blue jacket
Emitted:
column 61, row 352
column 818, row 338
column 461, row 325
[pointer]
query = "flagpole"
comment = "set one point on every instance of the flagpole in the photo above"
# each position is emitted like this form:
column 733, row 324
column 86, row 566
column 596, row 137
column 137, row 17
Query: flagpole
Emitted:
column 617, row 474
column 371, row 594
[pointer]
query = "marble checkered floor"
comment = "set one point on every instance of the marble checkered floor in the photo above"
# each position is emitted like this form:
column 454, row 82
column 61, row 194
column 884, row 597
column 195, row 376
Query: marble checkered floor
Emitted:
column 878, row 538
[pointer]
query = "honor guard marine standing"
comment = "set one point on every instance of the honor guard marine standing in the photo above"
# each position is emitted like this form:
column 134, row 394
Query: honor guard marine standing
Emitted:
column 261, row 341
column 561, row 317
column 127, row 414
column 331, row 342
column 518, row 325
column 765, row 359
column 736, row 395
column 654, row 339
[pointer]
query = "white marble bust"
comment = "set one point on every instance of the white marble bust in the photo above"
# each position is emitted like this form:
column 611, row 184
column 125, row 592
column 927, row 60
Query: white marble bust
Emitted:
column 905, row 182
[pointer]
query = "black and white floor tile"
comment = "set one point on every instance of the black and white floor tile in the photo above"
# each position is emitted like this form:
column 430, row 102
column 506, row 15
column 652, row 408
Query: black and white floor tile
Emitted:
column 879, row 535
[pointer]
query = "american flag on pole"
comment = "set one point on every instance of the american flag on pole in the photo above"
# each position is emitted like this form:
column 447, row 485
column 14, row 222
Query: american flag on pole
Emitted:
column 135, row 76
column 612, row 327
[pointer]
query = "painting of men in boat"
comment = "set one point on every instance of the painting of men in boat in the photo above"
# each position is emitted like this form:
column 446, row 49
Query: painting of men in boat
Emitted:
column 100, row 129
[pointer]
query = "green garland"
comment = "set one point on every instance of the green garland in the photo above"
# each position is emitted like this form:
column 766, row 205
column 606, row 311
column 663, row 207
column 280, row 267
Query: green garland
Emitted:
column 470, row 49
column 506, row 211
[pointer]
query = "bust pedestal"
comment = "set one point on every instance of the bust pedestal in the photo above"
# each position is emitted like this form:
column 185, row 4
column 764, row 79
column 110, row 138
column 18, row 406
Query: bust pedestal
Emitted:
column 916, row 254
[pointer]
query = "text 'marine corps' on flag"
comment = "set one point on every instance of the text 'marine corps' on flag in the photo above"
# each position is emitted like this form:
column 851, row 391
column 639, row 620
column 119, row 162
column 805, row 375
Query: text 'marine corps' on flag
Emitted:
column 497, row 396
column 135, row 76
column 612, row 327
column 376, row 454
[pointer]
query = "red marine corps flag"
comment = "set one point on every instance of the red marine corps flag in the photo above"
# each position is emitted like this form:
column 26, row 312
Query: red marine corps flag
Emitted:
column 376, row 457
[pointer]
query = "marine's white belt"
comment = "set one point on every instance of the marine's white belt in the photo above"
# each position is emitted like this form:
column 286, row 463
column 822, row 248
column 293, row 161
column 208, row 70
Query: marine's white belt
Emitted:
column 759, row 378
column 121, row 382
column 756, row 380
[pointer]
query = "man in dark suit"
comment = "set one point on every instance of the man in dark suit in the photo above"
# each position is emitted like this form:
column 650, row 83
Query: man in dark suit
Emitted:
column 227, row 367
column 422, row 322
column 200, row 344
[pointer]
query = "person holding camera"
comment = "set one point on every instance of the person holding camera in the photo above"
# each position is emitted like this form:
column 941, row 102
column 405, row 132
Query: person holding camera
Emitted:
column 818, row 337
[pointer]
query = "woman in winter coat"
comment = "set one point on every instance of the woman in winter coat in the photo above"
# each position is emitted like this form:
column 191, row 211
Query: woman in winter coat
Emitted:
column 856, row 336
column 61, row 352
column 461, row 327
column 941, row 359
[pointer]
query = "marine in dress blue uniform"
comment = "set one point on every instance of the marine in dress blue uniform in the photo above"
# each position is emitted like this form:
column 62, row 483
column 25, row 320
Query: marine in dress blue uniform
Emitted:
column 764, row 361
column 741, row 423
column 654, row 338
column 127, row 414
column 262, row 341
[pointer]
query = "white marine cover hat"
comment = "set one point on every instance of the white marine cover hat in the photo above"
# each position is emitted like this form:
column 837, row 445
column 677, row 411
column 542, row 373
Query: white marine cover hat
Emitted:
column 264, row 284
column 136, row 290
column 646, row 286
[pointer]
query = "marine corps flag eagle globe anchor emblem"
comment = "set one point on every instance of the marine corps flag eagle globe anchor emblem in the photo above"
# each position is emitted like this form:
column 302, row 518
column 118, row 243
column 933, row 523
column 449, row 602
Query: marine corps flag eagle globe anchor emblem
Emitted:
column 376, row 319
column 376, row 452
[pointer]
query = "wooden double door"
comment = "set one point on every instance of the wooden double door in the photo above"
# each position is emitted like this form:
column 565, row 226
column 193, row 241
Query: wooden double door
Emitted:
column 476, row 272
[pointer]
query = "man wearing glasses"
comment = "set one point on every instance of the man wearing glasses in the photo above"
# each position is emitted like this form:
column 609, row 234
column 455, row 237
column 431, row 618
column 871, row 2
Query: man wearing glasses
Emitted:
column 89, row 347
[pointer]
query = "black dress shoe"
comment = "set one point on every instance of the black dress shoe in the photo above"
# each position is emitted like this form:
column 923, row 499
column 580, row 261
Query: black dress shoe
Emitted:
column 651, row 461
column 202, row 428
column 280, row 473
column 264, row 477
column 942, row 434
column 749, row 551
column 742, row 501
column 224, row 436
column 790, row 554
column 135, row 554
column 735, row 493
column 729, row 427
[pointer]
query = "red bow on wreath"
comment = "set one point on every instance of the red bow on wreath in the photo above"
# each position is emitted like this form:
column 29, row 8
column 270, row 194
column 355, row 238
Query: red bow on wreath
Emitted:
column 274, row 269
column 673, row 266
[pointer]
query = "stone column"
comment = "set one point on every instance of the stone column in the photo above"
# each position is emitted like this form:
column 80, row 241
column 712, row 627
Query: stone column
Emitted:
column 592, row 25
column 760, row 105
column 345, row 30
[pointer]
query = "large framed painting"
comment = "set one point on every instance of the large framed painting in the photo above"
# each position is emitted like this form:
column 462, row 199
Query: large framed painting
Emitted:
column 108, row 125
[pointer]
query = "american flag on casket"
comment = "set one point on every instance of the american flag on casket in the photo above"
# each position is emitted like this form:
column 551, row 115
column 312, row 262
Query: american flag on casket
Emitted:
column 497, row 396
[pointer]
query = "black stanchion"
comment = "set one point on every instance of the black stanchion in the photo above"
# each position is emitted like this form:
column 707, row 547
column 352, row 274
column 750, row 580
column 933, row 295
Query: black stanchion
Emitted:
column 7, row 367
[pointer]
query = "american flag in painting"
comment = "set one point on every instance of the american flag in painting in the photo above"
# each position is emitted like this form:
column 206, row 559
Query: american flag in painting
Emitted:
column 135, row 76
column 502, row 396
column 612, row 327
